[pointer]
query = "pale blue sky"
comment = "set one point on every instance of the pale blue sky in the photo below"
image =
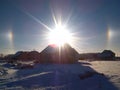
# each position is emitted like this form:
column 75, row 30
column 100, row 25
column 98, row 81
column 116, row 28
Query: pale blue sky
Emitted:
column 96, row 24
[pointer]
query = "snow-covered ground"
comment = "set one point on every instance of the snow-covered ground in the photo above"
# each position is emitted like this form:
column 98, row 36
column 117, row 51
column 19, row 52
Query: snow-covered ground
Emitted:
column 111, row 69
column 62, row 76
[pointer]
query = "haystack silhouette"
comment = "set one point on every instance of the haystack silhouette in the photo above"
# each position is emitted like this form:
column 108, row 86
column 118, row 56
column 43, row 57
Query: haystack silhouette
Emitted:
column 55, row 54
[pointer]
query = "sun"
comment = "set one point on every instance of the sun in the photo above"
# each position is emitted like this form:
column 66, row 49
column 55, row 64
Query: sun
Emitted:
column 60, row 35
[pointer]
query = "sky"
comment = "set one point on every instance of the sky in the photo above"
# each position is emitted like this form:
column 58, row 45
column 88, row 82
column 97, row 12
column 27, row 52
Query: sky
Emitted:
column 95, row 24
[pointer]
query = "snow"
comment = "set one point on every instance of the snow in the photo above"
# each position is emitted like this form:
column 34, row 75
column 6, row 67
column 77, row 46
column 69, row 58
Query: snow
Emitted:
column 110, row 68
column 62, row 76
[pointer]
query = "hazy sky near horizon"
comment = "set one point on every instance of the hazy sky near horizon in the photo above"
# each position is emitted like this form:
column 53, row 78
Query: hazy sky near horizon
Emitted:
column 95, row 24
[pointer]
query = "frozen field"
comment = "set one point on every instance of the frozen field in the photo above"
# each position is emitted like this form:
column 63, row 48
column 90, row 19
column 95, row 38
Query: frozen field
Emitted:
column 111, row 69
column 62, row 76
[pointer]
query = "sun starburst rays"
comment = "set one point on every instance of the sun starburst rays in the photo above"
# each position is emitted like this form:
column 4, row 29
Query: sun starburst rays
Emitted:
column 58, row 34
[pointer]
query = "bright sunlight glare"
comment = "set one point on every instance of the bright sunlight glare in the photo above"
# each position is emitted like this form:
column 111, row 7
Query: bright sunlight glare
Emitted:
column 60, row 35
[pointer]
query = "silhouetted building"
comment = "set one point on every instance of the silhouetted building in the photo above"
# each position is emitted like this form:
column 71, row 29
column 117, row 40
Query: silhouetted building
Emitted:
column 26, row 56
column 55, row 54
column 107, row 55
